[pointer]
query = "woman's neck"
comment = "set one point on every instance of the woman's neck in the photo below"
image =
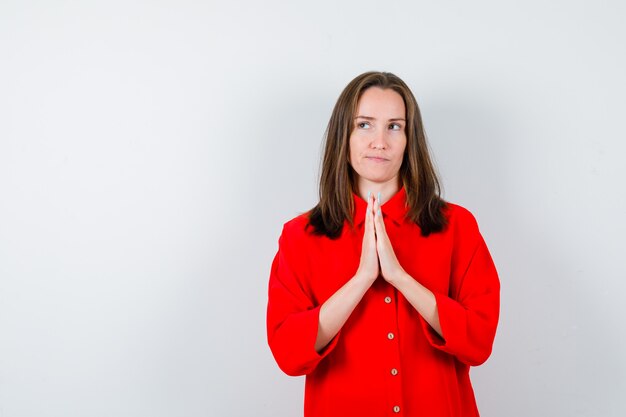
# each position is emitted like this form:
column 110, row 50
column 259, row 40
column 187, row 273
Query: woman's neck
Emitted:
column 386, row 189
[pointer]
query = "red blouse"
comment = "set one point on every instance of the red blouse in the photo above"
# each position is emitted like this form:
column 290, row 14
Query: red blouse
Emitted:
column 386, row 359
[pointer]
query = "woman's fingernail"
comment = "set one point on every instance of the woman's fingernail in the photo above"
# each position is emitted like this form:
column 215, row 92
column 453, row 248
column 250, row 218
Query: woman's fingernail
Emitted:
column 379, row 212
column 379, row 197
column 368, row 195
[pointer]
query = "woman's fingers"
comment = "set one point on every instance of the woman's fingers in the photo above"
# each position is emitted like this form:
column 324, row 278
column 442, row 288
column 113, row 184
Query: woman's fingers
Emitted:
column 367, row 218
column 371, row 210
column 389, row 265
column 369, row 258
column 379, row 223
column 368, row 210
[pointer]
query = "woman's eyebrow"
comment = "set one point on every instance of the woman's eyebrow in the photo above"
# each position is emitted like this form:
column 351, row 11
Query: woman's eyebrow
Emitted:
column 395, row 119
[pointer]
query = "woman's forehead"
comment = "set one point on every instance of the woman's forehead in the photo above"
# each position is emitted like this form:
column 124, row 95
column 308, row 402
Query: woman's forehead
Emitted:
column 378, row 103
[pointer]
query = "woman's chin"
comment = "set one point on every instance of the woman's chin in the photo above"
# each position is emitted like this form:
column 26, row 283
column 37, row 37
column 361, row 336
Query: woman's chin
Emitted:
column 378, row 179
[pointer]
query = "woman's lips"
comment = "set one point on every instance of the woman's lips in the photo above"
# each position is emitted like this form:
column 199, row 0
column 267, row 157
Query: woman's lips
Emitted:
column 376, row 159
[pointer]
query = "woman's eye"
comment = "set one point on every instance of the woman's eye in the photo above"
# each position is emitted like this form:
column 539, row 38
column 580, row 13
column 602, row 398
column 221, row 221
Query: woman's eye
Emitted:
column 363, row 125
column 395, row 126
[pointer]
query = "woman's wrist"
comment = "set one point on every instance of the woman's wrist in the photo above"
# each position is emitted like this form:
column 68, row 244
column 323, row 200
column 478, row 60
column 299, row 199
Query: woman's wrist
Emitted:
column 365, row 278
column 399, row 278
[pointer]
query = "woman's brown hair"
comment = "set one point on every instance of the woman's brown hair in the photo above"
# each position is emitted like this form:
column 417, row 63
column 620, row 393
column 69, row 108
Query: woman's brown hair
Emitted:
column 338, row 182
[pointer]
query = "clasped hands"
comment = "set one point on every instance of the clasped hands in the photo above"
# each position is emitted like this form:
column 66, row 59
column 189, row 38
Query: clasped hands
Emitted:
column 377, row 255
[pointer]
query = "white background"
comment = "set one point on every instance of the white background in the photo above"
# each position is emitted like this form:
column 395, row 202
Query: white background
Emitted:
column 151, row 151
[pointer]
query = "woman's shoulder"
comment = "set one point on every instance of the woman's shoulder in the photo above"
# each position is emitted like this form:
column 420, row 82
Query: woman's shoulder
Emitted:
column 297, row 227
column 460, row 218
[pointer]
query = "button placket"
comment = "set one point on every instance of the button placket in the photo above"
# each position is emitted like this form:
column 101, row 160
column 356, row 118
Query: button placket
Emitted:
column 390, row 313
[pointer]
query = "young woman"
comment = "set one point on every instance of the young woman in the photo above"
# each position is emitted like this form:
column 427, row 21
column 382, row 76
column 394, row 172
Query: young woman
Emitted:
column 383, row 294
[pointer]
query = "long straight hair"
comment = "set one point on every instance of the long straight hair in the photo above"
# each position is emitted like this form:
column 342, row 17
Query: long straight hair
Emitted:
column 338, row 179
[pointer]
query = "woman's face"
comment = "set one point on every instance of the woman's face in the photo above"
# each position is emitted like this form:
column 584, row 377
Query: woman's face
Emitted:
column 378, row 138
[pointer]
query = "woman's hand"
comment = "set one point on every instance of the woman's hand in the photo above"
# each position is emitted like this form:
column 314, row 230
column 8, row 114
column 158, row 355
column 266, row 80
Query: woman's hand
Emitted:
column 420, row 297
column 391, row 269
column 368, row 267
column 336, row 310
column 377, row 255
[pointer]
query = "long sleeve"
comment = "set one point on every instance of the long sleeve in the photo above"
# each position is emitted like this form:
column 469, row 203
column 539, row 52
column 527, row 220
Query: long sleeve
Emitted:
column 292, row 317
column 469, row 314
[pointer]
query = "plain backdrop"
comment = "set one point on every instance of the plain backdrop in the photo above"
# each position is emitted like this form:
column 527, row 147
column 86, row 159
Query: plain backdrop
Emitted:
column 151, row 151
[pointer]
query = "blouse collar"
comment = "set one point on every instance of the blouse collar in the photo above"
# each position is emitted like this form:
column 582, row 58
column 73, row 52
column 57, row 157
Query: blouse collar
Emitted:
column 395, row 208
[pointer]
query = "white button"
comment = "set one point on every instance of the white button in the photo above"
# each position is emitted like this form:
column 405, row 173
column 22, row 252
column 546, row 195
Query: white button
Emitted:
column 388, row 300
column 390, row 335
column 394, row 371
column 396, row 409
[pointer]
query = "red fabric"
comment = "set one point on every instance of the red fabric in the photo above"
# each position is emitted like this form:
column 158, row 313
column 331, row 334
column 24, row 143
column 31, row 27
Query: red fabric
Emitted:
column 354, row 375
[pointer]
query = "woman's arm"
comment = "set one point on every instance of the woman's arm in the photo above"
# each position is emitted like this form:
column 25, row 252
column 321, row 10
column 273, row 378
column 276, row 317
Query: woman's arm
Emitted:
column 420, row 297
column 463, row 326
column 335, row 311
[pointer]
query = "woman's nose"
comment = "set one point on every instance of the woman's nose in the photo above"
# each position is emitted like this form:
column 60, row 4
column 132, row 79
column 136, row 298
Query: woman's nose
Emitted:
column 379, row 141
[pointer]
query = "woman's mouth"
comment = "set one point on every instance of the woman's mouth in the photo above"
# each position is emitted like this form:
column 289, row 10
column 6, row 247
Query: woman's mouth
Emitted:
column 376, row 159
